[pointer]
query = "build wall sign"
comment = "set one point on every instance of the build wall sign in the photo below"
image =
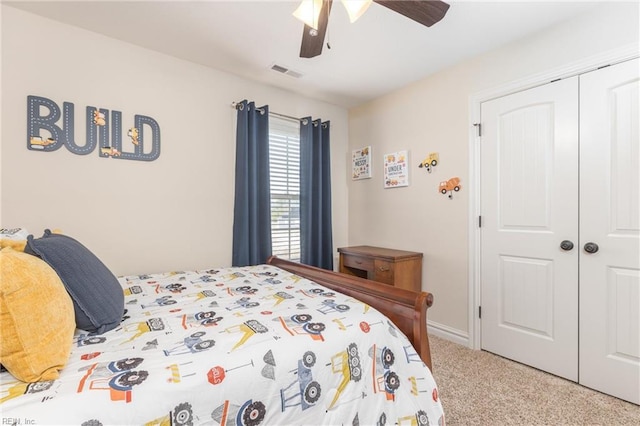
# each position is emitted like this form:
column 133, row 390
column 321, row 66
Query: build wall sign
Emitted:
column 104, row 130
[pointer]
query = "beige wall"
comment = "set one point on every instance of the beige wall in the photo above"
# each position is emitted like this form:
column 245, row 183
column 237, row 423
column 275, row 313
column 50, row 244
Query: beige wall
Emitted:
column 176, row 212
column 138, row 217
column 433, row 115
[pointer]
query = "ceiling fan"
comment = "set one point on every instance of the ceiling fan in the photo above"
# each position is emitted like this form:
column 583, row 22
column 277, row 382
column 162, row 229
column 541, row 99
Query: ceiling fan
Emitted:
column 315, row 15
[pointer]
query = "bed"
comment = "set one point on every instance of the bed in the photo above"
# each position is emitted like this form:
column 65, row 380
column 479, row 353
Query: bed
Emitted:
column 280, row 343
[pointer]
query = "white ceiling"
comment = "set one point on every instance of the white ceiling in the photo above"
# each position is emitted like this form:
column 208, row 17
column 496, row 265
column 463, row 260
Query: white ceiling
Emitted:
column 381, row 52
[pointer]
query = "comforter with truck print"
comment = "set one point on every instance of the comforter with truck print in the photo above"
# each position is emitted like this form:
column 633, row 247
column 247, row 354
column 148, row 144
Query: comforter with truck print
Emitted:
column 234, row 346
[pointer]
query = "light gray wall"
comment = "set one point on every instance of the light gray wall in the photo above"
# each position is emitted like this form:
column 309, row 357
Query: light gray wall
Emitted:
column 138, row 217
column 432, row 115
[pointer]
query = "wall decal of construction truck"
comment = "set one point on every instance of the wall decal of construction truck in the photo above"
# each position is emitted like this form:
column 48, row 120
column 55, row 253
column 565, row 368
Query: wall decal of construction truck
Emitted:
column 430, row 161
column 58, row 123
column 452, row 185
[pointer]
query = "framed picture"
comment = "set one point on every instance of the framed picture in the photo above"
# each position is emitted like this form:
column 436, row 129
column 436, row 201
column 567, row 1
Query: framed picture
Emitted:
column 396, row 170
column 361, row 163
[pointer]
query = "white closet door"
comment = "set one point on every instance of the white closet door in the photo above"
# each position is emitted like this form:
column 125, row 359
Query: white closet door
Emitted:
column 609, row 217
column 529, row 193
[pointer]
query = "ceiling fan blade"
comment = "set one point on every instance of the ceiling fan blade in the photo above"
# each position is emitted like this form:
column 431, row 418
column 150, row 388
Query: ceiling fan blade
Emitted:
column 426, row 12
column 312, row 44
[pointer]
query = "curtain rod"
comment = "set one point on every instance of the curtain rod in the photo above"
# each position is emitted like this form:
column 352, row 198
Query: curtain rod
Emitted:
column 237, row 105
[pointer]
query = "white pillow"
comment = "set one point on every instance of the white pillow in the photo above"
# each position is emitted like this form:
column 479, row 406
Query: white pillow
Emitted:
column 14, row 234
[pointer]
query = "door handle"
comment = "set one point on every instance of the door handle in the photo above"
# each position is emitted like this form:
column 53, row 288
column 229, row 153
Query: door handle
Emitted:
column 591, row 248
column 566, row 245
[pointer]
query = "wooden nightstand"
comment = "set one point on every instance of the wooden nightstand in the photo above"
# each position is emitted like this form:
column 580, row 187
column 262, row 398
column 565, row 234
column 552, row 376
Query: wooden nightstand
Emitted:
column 399, row 268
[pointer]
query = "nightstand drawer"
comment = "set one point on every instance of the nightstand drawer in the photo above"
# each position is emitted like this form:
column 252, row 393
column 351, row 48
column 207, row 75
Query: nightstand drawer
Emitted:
column 358, row 262
column 383, row 271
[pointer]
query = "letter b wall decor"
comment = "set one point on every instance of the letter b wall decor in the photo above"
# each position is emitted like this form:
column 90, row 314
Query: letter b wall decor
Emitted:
column 103, row 130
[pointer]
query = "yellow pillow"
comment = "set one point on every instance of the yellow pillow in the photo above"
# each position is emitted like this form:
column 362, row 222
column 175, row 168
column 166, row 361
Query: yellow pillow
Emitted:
column 17, row 245
column 37, row 320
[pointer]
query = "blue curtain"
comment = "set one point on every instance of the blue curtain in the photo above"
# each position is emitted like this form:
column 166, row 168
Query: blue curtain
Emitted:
column 316, row 238
column 252, row 206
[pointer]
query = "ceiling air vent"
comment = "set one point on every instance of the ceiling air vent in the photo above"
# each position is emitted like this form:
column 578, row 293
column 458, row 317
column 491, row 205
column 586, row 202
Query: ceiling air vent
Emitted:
column 286, row 71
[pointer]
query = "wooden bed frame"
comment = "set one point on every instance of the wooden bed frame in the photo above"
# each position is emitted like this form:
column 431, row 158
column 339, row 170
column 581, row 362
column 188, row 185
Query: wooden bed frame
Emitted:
column 407, row 309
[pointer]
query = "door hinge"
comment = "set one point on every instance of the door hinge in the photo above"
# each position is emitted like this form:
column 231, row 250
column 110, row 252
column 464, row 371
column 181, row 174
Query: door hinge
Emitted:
column 479, row 126
column 479, row 221
column 479, row 311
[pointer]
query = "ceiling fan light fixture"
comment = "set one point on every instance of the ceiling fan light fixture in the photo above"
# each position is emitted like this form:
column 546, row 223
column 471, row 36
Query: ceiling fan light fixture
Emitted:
column 309, row 12
column 356, row 8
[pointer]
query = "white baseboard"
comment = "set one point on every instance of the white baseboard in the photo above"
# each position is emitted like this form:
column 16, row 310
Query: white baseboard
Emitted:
column 445, row 332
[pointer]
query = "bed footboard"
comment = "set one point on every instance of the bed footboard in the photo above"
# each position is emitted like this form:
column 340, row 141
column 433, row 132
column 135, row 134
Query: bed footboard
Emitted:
column 407, row 309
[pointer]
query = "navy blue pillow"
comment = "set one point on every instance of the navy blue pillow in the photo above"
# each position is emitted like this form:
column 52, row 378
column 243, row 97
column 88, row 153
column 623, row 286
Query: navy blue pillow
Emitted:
column 97, row 296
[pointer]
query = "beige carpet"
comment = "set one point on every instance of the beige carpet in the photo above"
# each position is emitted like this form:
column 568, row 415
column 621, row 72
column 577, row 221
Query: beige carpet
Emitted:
column 479, row 388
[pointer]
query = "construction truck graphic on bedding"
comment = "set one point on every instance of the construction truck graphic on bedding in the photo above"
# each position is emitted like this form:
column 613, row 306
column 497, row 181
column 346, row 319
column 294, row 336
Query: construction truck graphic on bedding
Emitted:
column 330, row 306
column 251, row 413
column 204, row 279
column 279, row 297
column 418, row 419
column 191, row 344
column 304, row 391
column 243, row 302
column 300, row 324
column 248, row 329
column 243, row 289
column 270, row 281
column 200, row 319
column 318, row 292
column 153, row 324
column 171, row 288
column 181, row 415
column 10, row 390
column 348, row 364
column 384, row 380
column 160, row 301
column 117, row 377
column 203, row 294
column 85, row 339
column 234, row 276
column 136, row 289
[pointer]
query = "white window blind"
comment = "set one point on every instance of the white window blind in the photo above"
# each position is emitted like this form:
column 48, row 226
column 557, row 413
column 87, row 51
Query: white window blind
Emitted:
column 284, row 159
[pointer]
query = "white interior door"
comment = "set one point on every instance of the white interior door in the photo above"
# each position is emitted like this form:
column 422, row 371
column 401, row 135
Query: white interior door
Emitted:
column 529, row 197
column 609, row 217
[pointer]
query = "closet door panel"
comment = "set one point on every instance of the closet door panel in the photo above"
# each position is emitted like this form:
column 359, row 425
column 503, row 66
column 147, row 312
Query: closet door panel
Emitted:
column 529, row 191
column 610, row 218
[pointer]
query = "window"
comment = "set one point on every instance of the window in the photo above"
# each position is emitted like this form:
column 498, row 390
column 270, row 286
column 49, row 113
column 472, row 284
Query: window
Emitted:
column 284, row 160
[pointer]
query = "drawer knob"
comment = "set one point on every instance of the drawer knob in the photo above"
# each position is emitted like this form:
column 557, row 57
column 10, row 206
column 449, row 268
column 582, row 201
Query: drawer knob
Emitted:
column 383, row 269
